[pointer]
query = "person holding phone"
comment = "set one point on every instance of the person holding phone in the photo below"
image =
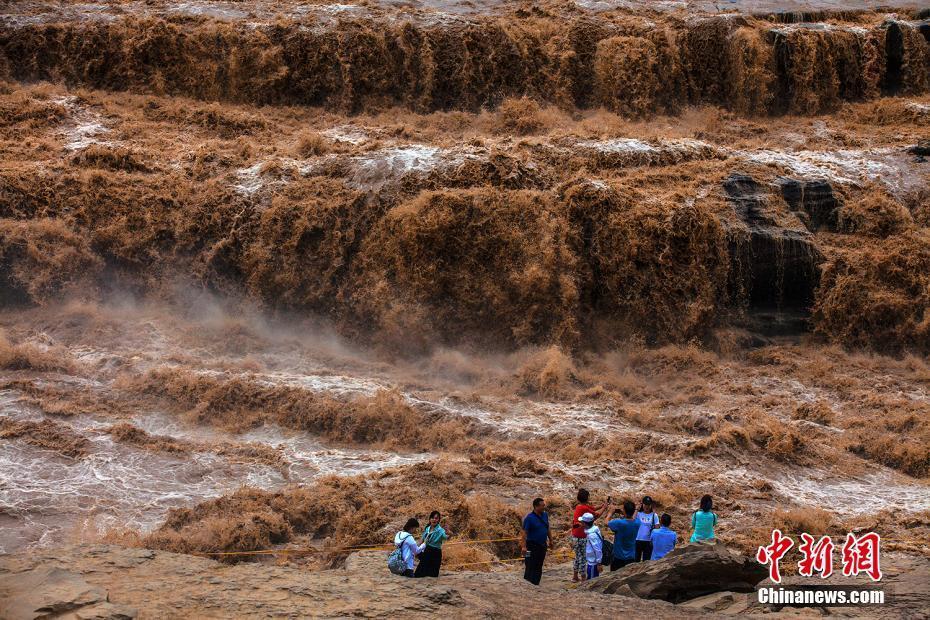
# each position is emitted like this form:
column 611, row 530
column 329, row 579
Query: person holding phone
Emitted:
column 534, row 538
column 625, row 530
column 431, row 547
column 648, row 520
column 579, row 538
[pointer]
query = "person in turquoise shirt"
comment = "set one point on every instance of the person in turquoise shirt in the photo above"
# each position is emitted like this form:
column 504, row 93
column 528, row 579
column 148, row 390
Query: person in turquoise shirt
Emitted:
column 431, row 557
column 703, row 521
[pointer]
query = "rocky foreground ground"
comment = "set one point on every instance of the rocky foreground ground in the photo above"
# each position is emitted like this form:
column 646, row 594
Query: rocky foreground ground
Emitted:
column 105, row 581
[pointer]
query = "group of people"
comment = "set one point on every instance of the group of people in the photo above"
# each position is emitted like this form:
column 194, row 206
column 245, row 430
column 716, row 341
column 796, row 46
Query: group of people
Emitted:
column 640, row 535
column 429, row 549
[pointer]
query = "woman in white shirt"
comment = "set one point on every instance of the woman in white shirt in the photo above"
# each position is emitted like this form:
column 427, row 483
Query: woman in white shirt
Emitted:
column 407, row 544
column 648, row 520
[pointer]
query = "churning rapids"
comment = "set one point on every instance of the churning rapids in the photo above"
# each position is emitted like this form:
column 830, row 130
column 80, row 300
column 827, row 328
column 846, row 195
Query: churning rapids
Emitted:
column 75, row 479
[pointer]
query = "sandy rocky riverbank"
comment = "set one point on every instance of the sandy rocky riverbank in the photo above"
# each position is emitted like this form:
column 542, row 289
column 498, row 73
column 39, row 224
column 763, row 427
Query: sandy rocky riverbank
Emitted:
column 101, row 581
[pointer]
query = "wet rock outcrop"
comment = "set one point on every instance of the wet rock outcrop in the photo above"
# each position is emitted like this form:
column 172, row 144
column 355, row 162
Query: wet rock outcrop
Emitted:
column 47, row 592
column 774, row 261
column 907, row 57
column 813, row 200
column 686, row 573
column 921, row 149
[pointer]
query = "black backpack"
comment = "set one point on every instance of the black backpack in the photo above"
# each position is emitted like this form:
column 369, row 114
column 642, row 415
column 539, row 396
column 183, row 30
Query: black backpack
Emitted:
column 607, row 554
column 607, row 551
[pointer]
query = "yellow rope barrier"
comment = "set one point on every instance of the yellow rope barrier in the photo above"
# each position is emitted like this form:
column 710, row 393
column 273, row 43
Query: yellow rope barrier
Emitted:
column 335, row 549
column 454, row 542
column 554, row 556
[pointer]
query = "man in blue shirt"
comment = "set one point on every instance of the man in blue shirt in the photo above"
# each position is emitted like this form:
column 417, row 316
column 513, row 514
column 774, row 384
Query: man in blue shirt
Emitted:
column 625, row 531
column 534, row 539
column 663, row 539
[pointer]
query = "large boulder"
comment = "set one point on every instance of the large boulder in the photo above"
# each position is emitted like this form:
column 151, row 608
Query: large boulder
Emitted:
column 687, row 572
column 370, row 562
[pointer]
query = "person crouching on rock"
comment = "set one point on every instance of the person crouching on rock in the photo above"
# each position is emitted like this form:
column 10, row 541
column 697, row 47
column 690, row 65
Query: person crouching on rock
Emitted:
column 648, row 520
column 703, row 521
column 401, row 560
column 663, row 539
column 534, row 538
column 431, row 548
column 594, row 546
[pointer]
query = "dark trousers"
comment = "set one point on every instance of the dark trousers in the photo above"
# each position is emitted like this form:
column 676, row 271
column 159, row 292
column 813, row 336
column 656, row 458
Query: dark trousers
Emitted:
column 430, row 560
column 534, row 562
column 618, row 563
column 643, row 550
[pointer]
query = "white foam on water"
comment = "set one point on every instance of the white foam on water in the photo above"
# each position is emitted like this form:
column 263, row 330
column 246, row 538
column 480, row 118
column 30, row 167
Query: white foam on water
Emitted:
column 125, row 486
column 854, row 496
column 261, row 175
column 840, row 166
column 520, row 417
column 612, row 5
column 339, row 385
column 87, row 125
column 373, row 170
column 531, row 418
column 119, row 485
column 642, row 152
column 619, row 145
column 250, row 179
column 218, row 10
column 339, row 8
column 347, row 134
column 402, row 159
column 843, row 166
column 820, row 27
column 305, row 456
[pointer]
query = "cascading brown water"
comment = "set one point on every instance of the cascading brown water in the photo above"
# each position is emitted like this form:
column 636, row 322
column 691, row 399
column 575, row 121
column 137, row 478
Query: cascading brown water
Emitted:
column 508, row 253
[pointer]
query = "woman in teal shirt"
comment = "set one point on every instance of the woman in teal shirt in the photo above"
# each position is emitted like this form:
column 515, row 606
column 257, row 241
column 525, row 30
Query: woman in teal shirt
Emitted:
column 433, row 537
column 703, row 521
